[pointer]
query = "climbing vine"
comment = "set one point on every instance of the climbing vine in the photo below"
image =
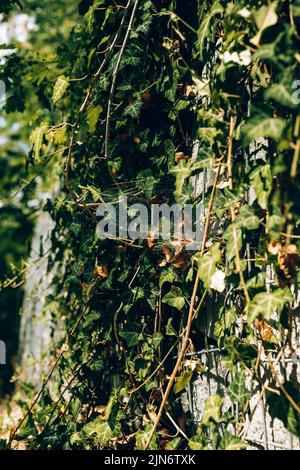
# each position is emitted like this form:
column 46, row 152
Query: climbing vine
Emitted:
column 143, row 96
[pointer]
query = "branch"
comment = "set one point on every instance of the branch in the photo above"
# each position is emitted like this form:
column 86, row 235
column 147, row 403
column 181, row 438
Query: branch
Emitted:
column 189, row 320
column 114, row 81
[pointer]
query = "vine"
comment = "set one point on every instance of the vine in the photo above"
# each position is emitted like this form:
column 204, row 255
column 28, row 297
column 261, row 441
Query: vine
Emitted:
column 166, row 91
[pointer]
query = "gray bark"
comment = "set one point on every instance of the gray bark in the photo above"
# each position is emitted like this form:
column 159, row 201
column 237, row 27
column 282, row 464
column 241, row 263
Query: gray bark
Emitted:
column 36, row 323
column 263, row 432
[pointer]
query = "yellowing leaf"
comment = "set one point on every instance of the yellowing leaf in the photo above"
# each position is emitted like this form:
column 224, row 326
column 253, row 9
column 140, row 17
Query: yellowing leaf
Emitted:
column 37, row 137
column 93, row 116
column 59, row 135
column 101, row 271
column 60, row 88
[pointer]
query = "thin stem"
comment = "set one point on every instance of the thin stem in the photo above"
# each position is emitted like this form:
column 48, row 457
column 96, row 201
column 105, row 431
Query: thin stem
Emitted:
column 114, row 81
column 186, row 338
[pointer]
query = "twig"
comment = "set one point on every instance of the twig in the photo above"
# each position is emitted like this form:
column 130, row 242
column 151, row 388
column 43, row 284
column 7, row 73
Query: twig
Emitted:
column 114, row 81
column 282, row 388
column 189, row 321
column 297, row 148
column 62, row 350
column 82, row 109
column 232, row 213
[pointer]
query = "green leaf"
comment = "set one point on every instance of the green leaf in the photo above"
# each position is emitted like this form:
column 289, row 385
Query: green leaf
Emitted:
column 205, row 163
column 231, row 442
column 173, row 444
column 131, row 337
column 203, row 31
column 37, row 137
column 264, row 17
column 142, row 436
column 247, row 219
column 60, row 88
column 183, row 380
column 134, row 109
column 280, row 407
column 146, row 182
column 258, row 126
column 212, row 409
column 232, row 239
column 280, row 94
column 207, row 265
column 59, row 135
column 181, row 171
column 266, row 303
column 237, row 390
column 170, row 330
column 100, row 430
column 174, row 298
column 166, row 276
column 93, row 116
column 229, row 317
column 261, row 180
column 198, row 442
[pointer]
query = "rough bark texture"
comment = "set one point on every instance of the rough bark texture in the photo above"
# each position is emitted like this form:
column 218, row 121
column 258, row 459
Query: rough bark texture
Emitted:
column 262, row 432
column 36, row 323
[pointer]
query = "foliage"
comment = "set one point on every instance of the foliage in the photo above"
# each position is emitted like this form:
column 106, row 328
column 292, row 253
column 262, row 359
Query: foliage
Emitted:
column 223, row 72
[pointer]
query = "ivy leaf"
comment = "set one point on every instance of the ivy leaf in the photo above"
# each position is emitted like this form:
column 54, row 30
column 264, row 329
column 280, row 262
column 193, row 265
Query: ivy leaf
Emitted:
column 264, row 17
column 266, row 303
column 60, row 88
column 280, row 94
column 207, row 265
column 146, row 182
column 261, row 180
column 170, row 330
column 212, row 410
column 247, row 219
column 230, row 237
column 198, row 442
column 131, row 337
column 231, row 442
column 240, row 351
column 166, row 276
column 237, row 390
column 173, row 444
column 174, row 298
column 181, row 171
column 205, row 163
column 259, row 126
column 183, row 380
column 100, row 430
column 169, row 151
column 229, row 317
column 142, row 436
column 93, row 116
column 37, row 137
column 203, row 31
column 134, row 109
column 281, row 408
